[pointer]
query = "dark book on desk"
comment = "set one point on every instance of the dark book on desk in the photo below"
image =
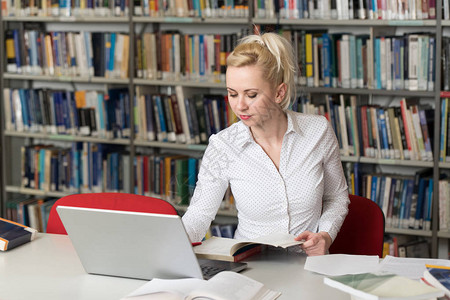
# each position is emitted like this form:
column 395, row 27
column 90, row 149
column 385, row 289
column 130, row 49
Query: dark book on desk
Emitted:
column 236, row 250
column 216, row 288
column 13, row 234
column 439, row 277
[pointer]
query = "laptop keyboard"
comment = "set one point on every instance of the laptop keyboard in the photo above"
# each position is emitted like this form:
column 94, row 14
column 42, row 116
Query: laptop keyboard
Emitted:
column 210, row 271
column 212, row 267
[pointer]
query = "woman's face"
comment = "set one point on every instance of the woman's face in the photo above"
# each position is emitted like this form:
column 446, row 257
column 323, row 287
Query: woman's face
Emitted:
column 252, row 98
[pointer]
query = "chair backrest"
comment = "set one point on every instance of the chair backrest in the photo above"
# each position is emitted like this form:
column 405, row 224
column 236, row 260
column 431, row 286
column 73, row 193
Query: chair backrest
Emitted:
column 113, row 201
column 363, row 230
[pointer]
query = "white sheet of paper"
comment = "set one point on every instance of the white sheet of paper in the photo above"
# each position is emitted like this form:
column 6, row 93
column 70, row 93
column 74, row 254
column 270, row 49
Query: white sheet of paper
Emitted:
column 342, row 264
column 407, row 266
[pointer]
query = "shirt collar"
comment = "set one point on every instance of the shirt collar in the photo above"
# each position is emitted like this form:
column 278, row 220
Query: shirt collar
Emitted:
column 292, row 125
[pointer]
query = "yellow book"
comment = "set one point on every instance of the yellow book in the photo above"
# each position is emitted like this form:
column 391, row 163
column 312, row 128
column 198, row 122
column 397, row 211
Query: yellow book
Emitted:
column 125, row 58
column 309, row 59
column 49, row 54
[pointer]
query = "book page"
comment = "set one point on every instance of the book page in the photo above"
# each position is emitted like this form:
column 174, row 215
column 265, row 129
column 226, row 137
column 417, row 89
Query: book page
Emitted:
column 341, row 264
column 407, row 266
column 233, row 286
column 278, row 239
column 172, row 288
column 227, row 246
column 216, row 245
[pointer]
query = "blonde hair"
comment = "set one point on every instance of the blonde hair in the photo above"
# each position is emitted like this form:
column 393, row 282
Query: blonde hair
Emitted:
column 274, row 54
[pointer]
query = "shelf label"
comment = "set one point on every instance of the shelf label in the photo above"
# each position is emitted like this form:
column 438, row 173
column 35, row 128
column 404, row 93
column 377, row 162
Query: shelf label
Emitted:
column 61, row 137
column 405, row 23
column 178, row 20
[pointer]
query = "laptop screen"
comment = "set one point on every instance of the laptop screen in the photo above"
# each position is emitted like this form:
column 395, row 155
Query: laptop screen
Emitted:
column 130, row 244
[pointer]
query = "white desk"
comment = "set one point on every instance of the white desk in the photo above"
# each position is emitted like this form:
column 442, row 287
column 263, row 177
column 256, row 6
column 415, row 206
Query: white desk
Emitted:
column 48, row 268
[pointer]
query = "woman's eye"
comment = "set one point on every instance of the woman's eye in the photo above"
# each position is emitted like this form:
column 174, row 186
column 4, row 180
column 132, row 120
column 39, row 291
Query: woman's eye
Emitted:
column 252, row 96
column 233, row 95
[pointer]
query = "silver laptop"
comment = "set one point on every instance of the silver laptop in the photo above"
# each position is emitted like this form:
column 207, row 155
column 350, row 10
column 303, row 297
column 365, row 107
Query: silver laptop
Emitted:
column 135, row 245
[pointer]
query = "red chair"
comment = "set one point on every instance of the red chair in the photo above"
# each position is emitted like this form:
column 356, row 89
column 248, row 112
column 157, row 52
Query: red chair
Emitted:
column 363, row 230
column 113, row 201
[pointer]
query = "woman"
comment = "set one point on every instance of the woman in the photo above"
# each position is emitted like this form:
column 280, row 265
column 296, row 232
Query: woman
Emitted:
column 283, row 167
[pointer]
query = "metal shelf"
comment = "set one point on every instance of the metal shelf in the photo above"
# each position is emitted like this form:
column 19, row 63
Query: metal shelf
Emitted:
column 416, row 232
column 168, row 145
column 359, row 91
column 35, row 192
column 186, row 83
column 68, row 19
column 356, row 23
column 68, row 138
column 383, row 161
column 87, row 79
column 188, row 20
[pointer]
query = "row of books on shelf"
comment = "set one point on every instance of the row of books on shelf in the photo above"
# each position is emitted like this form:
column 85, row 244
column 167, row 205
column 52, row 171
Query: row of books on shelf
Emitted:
column 91, row 167
column 176, row 56
column 182, row 119
column 36, row 52
column 299, row 9
column 344, row 60
column 81, row 167
column 30, row 211
column 347, row 9
column 396, row 132
column 329, row 60
column 417, row 248
column 66, row 8
column 84, row 113
column 406, row 201
column 159, row 117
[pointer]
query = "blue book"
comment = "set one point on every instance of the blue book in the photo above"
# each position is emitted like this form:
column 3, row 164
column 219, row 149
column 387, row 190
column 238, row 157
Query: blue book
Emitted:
column 384, row 134
column 377, row 63
column 427, row 217
column 150, row 118
column 373, row 191
column 407, row 212
column 161, row 118
column 192, row 175
column 65, row 113
column 202, row 57
column 25, row 109
column 357, row 179
column 380, row 194
column 189, row 118
column 353, row 62
column 32, row 35
column 112, row 50
column 326, row 63
column 18, row 50
column 13, row 234
column 41, row 170
column 443, row 131
column 398, row 71
column 418, row 223
column 401, row 214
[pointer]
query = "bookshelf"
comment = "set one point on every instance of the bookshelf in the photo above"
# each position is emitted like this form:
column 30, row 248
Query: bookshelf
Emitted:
column 133, row 25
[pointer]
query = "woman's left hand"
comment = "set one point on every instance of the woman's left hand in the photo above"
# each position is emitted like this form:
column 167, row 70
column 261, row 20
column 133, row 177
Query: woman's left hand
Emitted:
column 314, row 243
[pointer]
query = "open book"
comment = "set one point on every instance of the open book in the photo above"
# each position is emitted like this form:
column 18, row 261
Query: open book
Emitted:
column 439, row 277
column 373, row 286
column 236, row 250
column 223, row 286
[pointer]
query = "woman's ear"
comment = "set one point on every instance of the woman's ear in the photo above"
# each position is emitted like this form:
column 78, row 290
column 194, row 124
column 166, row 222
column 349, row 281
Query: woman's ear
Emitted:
column 281, row 92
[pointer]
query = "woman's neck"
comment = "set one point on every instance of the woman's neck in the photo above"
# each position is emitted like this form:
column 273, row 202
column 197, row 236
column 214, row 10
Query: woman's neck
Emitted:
column 272, row 131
